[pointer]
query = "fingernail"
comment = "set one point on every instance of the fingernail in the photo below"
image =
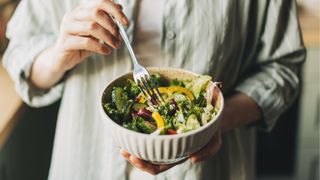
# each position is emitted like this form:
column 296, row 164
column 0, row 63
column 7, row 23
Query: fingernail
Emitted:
column 124, row 157
column 138, row 165
column 132, row 159
column 119, row 6
column 193, row 160
column 124, row 154
column 125, row 21
column 106, row 50
column 118, row 44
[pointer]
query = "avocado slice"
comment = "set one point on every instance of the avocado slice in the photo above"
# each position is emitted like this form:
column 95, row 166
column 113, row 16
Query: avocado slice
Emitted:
column 139, row 106
column 119, row 98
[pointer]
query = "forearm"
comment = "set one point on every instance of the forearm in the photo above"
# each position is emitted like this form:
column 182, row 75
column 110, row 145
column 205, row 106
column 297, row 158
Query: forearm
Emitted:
column 239, row 110
column 43, row 72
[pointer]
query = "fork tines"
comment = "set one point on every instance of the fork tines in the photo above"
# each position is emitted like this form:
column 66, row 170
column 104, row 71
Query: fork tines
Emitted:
column 150, row 90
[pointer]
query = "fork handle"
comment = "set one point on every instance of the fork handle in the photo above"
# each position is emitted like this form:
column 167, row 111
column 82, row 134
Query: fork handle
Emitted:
column 127, row 42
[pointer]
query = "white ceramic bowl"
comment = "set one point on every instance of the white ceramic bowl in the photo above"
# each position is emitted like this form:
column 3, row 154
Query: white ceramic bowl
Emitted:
column 164, row 149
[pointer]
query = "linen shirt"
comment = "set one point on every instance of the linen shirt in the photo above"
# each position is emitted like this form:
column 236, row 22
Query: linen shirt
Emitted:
column 147, row 33
column 253, row 47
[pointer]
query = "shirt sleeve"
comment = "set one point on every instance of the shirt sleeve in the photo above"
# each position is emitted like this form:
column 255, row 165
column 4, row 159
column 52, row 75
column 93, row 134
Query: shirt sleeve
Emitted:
column 30, row 32
column 274, row 84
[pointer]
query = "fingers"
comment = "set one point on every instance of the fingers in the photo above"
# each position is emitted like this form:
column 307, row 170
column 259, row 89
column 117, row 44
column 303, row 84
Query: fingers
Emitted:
column 105, row 21
column 125, row 154
column 144, row 166
column 147, row 166
column 87, row 28
column 98, row 16
column 93, row 20
column 86, row 43
column 153, row 169
column 109, row 7
column 209, row 150
column 114, row 10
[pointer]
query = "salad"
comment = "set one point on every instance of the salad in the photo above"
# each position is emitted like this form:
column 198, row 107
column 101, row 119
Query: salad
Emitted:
column 188, row 106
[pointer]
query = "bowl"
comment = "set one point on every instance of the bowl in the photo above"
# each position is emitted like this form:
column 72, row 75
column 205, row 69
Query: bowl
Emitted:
column 160, row 149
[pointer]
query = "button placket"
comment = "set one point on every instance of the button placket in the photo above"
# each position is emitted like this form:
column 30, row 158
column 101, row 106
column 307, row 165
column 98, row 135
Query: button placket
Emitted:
column 169, row 35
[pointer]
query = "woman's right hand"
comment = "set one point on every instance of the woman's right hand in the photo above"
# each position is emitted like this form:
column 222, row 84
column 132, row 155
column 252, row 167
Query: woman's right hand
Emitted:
column 85, row 30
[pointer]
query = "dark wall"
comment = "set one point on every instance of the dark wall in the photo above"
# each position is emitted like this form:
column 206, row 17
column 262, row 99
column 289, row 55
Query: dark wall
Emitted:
column 276, row 150
column 27, row 153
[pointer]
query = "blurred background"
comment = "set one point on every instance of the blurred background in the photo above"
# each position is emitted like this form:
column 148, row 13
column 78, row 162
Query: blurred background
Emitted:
column 289, row 152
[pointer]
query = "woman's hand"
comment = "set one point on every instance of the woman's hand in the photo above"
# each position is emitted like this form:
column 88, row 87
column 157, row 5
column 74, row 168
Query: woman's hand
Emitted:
column 209, row 150
column 86, row 29
column 153, row 169
column 204, row 154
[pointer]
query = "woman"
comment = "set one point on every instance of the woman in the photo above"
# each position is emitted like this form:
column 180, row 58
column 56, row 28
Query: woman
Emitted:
column 71, row 49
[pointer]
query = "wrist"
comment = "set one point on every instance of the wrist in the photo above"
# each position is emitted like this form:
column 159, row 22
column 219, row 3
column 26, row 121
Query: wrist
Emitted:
column 45, row 71
column 227, row 118
column 240, row 110
column 55, row 64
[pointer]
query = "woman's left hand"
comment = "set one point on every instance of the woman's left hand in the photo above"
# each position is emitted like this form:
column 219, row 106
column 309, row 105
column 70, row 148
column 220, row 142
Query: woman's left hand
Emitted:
column 203, row 154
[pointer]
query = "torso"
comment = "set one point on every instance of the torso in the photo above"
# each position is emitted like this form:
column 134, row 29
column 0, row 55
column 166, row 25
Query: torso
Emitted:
column 83, row 148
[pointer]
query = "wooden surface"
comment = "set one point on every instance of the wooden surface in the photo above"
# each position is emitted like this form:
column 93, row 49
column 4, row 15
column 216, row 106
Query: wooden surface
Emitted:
column 310, row 26
column 10, row 106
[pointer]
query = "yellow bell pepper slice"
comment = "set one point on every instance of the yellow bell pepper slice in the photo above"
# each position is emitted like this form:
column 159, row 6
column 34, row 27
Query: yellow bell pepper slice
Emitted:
column 157, row 117
column 181, row 90
column 164, row 90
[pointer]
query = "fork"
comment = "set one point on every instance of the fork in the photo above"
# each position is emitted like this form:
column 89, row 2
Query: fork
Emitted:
column 140, row 74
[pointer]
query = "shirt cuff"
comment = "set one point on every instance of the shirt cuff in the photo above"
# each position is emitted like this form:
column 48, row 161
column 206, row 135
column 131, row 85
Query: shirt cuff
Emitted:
column 31, row 95
column 267, row 95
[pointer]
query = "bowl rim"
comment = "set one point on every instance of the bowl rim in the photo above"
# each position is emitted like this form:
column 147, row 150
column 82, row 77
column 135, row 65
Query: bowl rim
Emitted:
column 165, row 136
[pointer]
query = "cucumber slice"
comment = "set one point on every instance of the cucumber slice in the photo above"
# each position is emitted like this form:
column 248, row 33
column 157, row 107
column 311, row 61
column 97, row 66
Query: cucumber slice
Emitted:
column 119, row 98
column 192, row 122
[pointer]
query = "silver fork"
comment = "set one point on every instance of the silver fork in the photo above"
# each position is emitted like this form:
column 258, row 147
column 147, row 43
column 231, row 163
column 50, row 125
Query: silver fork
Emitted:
column 140, row 74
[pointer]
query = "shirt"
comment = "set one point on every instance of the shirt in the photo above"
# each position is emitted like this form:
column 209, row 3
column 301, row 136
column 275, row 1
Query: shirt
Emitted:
column 253, row 47
column 148, row 32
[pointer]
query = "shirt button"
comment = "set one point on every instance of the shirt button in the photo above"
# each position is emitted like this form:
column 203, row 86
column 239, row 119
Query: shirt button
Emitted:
column 170, row 35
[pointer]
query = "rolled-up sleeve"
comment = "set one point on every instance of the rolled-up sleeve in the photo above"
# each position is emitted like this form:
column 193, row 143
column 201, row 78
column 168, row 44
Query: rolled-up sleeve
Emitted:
column 274, row 83
column 30, row 32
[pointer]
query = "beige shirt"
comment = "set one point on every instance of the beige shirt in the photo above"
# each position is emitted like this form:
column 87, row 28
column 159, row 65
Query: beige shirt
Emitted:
column 251, row 46
column 148, row 32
